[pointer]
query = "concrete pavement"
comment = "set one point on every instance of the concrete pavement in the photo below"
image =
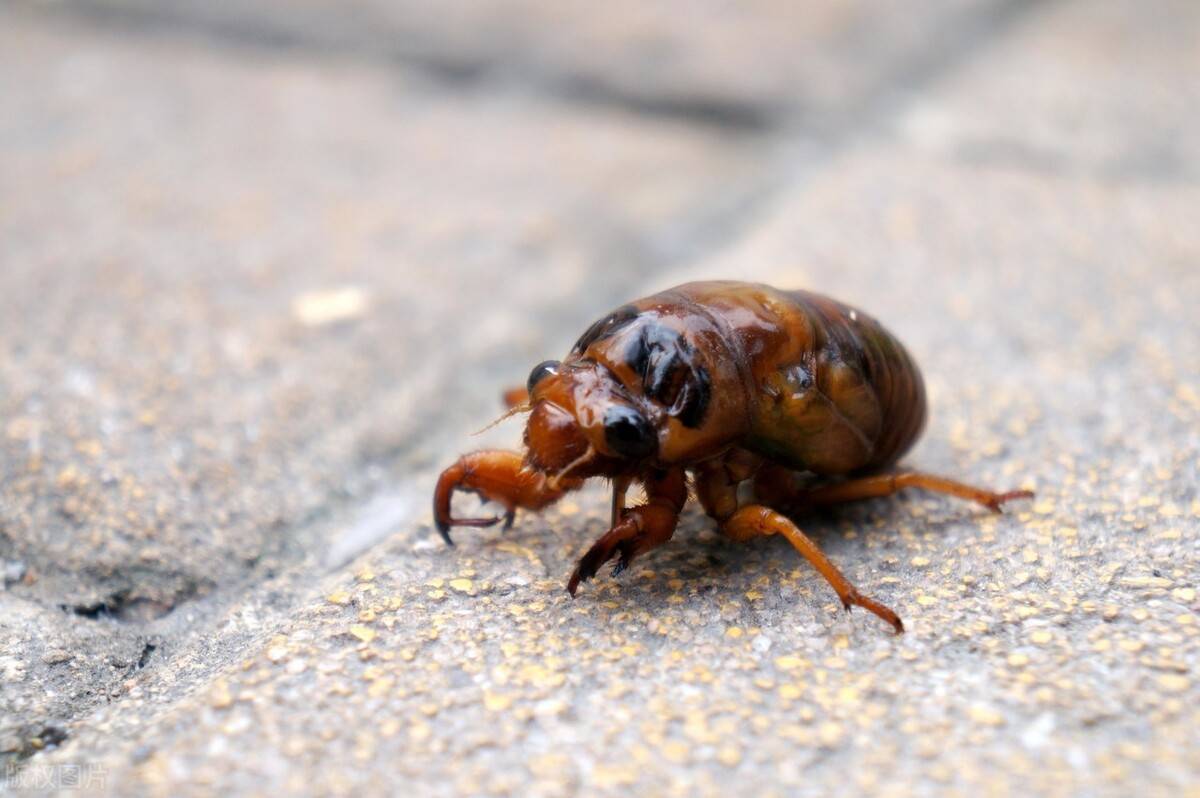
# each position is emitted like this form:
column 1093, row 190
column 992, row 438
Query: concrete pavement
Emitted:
column 265, row 268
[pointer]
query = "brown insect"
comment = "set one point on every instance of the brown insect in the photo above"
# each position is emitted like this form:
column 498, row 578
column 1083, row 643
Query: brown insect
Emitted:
column 807, row 400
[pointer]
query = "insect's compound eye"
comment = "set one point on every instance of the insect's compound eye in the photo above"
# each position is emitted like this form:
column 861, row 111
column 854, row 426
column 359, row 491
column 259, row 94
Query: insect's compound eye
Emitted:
column 628, row 433
column 540, row 372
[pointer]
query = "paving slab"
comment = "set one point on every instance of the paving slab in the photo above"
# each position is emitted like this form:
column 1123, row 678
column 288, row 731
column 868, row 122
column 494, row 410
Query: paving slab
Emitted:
column 1051, row 650
column 737, row 64
column 220, row 300
column 1111, row 99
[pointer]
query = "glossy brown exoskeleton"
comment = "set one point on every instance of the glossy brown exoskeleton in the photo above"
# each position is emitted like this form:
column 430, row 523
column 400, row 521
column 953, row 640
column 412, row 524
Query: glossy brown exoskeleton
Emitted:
column 809, row 399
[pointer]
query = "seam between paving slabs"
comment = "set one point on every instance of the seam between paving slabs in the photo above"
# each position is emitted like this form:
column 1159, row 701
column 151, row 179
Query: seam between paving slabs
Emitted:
column 951, row 43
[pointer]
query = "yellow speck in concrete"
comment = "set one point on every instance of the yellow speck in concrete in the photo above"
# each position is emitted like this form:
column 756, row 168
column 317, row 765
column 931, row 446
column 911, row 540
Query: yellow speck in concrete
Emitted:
column 790, row 691
column 221, row 697
column 329, row 306
column 496, row 702
column 919, row 562
column 729, row 756
column 363, row 633
column 1029, row 555
column 985, row 716
column 1173, row 682
column 734, row 632
column 675, row 751
column 612, row 775
column 789, row 663
column 926, row 600
column 1145, row 581
column 830, row 734
column 1041, row 637
column 340, row 597
column 462, row 585
column 1018, row 660
column 1101, row 645
column 380, row 687
column 1187, row 594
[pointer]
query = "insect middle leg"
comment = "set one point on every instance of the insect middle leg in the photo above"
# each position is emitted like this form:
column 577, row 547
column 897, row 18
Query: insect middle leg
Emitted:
column 495, row 475
column 639, row 529
column 716, row 486
column 777, row 486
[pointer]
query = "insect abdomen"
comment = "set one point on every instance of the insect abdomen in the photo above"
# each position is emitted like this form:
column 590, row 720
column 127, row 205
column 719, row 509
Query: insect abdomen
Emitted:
column 845, row 398
column 887, row 370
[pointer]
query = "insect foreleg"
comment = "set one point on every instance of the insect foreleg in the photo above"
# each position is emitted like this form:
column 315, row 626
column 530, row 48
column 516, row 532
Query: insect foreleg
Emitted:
column 639, row 529
column 499, row 476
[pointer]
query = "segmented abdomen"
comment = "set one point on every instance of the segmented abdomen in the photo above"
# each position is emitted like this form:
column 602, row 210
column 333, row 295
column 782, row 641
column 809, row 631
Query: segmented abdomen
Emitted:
column 846, row 336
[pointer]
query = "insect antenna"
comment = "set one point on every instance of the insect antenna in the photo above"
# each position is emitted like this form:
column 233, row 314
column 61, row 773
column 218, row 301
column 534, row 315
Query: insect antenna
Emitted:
column 524, row 407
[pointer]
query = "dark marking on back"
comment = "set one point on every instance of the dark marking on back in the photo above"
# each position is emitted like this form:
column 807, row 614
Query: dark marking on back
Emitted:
column 665, row 361
column 618, row 319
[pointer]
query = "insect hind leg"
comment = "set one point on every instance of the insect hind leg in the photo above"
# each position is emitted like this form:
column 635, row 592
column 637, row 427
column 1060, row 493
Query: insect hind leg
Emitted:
column 716, row 487
column 777, row 487
column 755, row 520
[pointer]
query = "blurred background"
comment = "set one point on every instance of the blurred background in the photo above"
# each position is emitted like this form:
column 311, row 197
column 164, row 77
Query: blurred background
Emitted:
column 265, row 265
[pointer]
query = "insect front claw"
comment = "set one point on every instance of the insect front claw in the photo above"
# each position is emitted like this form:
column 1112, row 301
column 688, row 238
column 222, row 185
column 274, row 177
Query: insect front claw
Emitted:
column 494, row 476
column 443, row 528
column 587, row 567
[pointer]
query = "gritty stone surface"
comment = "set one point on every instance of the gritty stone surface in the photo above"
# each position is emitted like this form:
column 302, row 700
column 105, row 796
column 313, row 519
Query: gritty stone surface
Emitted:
column 1047, row 289
column 233, row 340
column 740, row 64
column 1107, row 99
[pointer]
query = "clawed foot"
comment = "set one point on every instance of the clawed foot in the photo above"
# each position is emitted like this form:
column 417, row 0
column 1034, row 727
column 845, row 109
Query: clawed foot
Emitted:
column 496, row 476
column 996, row 500
column 639, row 530
column 871, row 605
column 443, row 525
column 617, row 540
